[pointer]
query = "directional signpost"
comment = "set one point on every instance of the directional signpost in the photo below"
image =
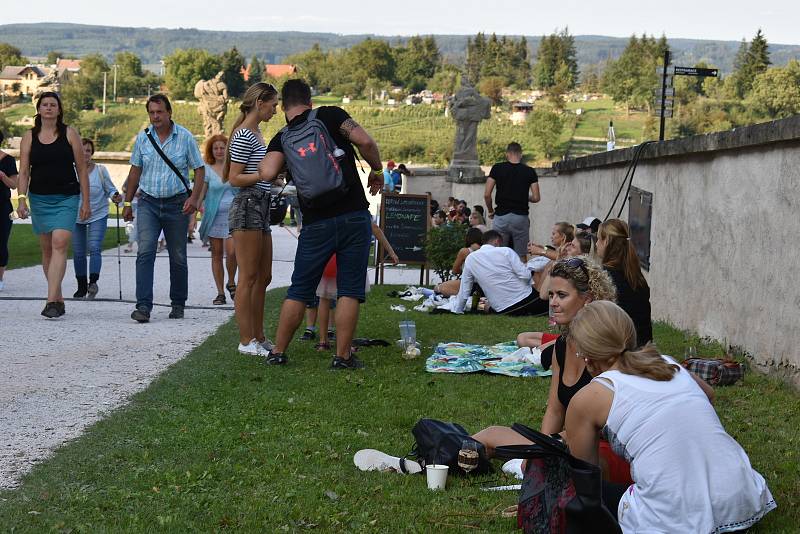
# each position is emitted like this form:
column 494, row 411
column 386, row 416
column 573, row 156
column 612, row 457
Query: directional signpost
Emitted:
column 666, row 83
column 696, row 71
column 663, row 101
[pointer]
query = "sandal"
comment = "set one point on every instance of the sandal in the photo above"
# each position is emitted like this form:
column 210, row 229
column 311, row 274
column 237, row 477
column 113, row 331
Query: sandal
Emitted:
column 232, row 290
column 220, row 300
column 322, row 347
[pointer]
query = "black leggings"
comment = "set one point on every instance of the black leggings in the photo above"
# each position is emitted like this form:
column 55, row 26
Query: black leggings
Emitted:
column 530, row 305
column 5, row 232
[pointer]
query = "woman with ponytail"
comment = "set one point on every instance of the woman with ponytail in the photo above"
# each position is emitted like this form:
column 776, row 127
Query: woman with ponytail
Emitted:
column 688, row 474
column 248, row 218
column 620, row 260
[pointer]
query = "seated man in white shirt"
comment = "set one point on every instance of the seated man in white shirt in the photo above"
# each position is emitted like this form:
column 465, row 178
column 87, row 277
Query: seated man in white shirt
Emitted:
column 502, row 276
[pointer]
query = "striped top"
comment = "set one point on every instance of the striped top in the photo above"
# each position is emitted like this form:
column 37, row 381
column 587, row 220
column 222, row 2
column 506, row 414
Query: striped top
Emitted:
column 248, row 150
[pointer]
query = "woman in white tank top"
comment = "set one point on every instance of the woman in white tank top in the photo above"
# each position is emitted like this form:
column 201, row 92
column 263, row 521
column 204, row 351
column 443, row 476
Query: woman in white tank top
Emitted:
column 689, row 474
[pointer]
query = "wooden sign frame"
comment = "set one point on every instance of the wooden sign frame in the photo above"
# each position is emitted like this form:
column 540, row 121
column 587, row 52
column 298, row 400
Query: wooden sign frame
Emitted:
column 380, row 253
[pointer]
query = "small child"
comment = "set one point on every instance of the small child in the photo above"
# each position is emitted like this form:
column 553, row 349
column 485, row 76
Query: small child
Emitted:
column 326, row 292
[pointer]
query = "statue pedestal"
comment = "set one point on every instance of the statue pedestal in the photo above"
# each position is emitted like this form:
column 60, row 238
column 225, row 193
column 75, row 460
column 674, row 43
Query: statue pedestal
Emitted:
column 465, row 172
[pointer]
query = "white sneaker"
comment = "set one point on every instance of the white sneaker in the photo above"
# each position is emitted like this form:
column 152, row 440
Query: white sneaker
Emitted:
column 514, row 467
column 267, row 345
column 374, row 460
column 253, row 348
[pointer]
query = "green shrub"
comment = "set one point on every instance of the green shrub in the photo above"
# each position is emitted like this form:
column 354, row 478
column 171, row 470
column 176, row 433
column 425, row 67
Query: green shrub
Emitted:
column 441, row 247
column 409, row 151
column 491, row 151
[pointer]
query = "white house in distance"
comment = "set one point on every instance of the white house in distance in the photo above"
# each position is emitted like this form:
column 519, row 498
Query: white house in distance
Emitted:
column 24, row 80
column 520, row 111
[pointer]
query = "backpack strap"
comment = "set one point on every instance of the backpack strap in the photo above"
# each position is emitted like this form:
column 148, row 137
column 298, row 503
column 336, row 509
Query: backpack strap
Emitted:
column 167, row 160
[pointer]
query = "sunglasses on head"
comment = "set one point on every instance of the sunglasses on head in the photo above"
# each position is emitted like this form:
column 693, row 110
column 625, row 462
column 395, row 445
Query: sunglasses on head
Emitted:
column 577, row 263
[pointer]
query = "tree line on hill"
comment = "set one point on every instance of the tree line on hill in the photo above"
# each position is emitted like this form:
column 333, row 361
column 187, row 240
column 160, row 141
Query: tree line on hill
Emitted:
column 753, row 91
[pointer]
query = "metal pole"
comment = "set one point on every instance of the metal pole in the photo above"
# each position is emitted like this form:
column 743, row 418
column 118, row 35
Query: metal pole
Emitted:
column 105, row 80
column 119, row 258
column 663, row 94
column 115, row 83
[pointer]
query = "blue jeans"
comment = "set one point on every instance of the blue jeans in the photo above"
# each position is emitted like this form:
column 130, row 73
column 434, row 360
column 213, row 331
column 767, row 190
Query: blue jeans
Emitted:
column 348, row 236
column 154, row 215
column 96, row 231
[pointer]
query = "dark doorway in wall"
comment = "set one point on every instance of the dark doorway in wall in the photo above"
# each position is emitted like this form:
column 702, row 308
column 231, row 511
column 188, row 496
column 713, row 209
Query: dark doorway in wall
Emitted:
column 640, row 217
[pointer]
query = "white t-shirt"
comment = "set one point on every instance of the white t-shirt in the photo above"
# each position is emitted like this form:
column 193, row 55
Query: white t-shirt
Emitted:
column 689, row 474
column 501, row 274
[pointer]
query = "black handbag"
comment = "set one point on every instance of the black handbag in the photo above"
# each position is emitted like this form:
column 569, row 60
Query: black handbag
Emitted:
column 277, row 208
column 560, row 493
column 438, row 442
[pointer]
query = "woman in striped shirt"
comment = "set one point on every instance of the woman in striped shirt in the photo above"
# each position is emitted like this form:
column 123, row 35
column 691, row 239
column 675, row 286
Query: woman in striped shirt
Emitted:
column 249, row 216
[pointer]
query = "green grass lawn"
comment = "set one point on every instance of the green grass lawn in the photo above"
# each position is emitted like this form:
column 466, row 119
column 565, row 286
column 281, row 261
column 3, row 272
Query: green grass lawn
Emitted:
column 221, row 441
column 593, row 122
column 24, row 251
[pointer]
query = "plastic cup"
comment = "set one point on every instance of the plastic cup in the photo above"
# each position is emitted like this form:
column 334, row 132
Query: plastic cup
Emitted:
column 404, row 330
column 436, row 476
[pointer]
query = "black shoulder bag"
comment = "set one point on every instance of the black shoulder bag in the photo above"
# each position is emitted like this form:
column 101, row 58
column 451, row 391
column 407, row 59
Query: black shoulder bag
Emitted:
column 169, row 163
column 560, row 493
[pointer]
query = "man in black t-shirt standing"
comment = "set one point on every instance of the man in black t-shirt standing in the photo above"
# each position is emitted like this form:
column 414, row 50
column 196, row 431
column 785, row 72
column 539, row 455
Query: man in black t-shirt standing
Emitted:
column 343, row 227
column 517, row 186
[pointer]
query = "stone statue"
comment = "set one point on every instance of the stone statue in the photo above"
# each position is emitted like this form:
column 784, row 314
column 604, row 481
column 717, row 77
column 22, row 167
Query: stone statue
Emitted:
column 213, row 97
column 468, row 108
column 48, row 83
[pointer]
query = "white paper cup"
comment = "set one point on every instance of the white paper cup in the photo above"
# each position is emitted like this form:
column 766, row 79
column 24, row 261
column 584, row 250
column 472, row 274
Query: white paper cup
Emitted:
column 437, row 476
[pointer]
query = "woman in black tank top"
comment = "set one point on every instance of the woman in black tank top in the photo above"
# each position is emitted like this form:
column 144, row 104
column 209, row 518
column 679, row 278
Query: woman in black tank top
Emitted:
column 574, row 282
column 53, row 172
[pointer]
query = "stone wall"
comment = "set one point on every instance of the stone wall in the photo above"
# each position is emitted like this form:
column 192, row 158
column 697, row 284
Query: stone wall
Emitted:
column 722, row 205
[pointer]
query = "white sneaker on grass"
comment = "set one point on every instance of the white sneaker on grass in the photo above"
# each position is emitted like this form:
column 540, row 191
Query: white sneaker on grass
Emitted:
column 253, row 348
column 514, row 467
column 374, row 460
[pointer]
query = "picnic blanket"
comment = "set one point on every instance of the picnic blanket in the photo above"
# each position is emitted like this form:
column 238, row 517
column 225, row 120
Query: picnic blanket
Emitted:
column 503, row 359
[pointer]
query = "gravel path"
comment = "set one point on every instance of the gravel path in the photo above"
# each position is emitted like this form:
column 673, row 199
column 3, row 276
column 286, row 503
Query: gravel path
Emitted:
column 59, row 376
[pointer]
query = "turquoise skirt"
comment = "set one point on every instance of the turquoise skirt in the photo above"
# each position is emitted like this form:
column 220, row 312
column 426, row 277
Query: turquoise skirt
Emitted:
column 53, row 212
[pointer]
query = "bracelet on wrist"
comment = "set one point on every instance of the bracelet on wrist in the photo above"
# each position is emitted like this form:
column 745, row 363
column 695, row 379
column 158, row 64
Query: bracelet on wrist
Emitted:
column 126, row 204
column 20, row 197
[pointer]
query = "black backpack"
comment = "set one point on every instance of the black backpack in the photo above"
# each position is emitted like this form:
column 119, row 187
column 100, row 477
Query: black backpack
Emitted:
column 438, row 442
column 314, row 161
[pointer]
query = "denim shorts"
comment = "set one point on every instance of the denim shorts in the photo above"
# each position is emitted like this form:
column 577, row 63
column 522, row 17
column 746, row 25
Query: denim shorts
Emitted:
column 348, row 236
column 249, row 210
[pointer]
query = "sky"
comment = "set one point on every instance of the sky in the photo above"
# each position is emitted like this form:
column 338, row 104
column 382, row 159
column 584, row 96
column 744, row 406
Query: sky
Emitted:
column 697, row 19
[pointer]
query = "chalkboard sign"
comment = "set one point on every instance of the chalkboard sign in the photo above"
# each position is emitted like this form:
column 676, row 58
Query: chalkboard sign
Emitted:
column 405, row 220
column 640, row 217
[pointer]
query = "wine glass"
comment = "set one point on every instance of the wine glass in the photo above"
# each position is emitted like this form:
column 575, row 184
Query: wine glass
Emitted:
column 468, row 456
column 690, row 352
column 552, row 326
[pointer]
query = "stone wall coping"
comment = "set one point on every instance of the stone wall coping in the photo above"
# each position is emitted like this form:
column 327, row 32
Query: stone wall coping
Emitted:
column 747, row 136
column 98, row 156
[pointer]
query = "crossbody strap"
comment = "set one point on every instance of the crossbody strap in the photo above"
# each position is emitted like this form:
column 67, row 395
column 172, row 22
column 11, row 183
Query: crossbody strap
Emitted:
column 169, row 163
